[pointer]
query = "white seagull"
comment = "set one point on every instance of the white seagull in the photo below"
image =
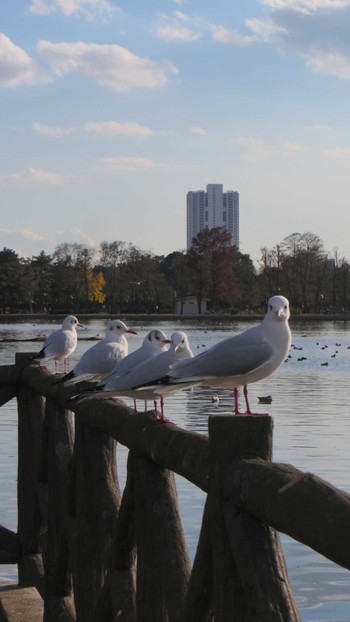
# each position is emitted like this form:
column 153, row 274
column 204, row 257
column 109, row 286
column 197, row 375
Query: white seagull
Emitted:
column 101, row 358
column 61, row 343
column 153, row 344
column 239, row 360
column 134, row 383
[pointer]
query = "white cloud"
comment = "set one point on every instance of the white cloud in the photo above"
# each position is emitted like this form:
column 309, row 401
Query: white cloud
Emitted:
column 306, row 6
column 110, row 65
column 338, row 153
column 26, row 234
column 199, row 131
column 172, row 28
column 110, row 128
column 291, row 147
column 129, row 164
column 329, row 63
column 17, row 68
column 52, row 131
column 74, row 235
column 316, row 31
column 86, row 8
column 264, row 31
column 33, row 176
column 221, row 34
column 255, row 149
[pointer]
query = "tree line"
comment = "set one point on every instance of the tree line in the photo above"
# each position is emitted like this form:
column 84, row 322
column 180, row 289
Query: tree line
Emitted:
column 118, row 278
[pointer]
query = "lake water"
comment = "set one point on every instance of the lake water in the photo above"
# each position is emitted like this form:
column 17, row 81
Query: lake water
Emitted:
column 310, row 409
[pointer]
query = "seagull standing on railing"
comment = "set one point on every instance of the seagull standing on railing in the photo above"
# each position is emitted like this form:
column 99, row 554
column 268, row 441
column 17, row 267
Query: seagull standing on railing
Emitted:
column 153, row 344
column 134, row 383
column 101, row 358
column 236, row 361
column 61, row 343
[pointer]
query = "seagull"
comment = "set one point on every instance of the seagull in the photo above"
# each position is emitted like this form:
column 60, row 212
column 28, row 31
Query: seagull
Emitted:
column 100, row 359
column 61, row 343
column 153, row 344
column 239, row 360
column 134, row 383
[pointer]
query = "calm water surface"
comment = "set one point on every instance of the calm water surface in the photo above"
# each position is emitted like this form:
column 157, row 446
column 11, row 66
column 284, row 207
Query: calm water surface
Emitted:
column 310, row 409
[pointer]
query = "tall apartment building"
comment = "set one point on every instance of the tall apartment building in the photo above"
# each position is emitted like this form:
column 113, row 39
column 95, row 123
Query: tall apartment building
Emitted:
column 212, row 208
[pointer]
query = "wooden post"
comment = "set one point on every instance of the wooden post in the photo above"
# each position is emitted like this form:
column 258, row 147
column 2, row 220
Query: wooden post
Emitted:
column 163, row 565
column 257, row 557
column 119, row 594
column 97, row 503
column 31, row 497
column 59, row 453
column 197, row 606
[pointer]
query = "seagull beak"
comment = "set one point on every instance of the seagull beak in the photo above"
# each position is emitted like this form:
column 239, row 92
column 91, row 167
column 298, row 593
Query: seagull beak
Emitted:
column 166, row 340
column 81, row 325
column 131, row 331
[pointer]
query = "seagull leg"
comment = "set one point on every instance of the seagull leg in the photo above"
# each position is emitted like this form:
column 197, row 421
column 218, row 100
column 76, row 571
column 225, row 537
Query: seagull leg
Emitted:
column 162, row 418
column 245, row 393
column 235, row 395
column 248, row 411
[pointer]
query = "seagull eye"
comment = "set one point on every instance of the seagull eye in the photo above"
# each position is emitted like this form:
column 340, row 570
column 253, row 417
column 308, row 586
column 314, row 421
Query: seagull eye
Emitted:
column 157, row 337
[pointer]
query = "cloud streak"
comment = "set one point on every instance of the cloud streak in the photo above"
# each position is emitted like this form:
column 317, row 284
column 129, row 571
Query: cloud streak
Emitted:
column 129, row 164
column 34, row 176
column 52, row 131
column 85, row 8
column 17, row 68
column 112, row 128
column 314, row 30
column 110, row 65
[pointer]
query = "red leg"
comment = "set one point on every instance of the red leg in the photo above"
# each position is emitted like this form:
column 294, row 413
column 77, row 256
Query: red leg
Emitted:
column 235, row 395
column 245, row 393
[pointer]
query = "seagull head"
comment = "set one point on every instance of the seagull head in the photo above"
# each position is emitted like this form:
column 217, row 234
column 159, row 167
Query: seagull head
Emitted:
column 179, row 341
column 71, row 322
column 118, row 328
column 278, row 309
column 157, row 338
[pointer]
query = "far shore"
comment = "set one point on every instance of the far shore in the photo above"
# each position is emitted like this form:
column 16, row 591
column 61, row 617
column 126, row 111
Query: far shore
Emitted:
column 6, row 318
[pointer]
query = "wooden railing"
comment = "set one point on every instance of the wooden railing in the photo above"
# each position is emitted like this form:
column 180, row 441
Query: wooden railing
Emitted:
column 96, row 555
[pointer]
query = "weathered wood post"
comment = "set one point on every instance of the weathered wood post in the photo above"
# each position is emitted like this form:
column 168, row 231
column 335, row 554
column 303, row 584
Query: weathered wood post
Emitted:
column 32, row 504
column 163, row 566
column 97, row 500
column 242, row 544
column 59, row 450
column 118, row 599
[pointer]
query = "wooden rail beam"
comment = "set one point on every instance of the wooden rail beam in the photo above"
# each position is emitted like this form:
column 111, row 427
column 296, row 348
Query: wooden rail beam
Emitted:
column 273, row 493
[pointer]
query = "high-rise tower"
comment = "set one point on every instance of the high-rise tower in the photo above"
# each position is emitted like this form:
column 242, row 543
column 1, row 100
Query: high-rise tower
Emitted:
column 212, row 208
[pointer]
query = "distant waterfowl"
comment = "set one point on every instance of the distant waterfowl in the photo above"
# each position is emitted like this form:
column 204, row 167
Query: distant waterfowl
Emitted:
column 265, row 399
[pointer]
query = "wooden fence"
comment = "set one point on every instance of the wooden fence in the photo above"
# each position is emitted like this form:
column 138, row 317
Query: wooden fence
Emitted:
column 96, row 555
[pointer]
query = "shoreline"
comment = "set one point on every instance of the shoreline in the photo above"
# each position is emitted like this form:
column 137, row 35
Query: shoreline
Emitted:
column 6, row 318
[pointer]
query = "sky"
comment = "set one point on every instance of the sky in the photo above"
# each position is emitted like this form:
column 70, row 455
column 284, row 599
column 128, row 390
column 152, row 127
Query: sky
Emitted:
column 112, row 110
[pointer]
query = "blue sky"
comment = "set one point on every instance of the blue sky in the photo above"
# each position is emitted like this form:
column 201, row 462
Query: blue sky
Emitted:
column 111, row 111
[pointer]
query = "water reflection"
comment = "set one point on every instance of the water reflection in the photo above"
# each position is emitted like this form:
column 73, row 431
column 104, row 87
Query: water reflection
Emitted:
column 310, row 410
